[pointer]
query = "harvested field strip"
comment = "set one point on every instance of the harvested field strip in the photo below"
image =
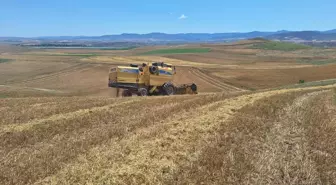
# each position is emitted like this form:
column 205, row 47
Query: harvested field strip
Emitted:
column 153, row 154
column 216, row 83
column 64, row 139
column 28, row 101
column 319, row 122
column 31, row 88
column 144, row 140
column 284, row 157
column 60, row 148
column 268, row 143
column 64, row 116
column 17, row 111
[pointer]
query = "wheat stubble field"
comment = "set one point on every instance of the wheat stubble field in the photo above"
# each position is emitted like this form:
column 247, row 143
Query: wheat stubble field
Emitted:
column 60, row 124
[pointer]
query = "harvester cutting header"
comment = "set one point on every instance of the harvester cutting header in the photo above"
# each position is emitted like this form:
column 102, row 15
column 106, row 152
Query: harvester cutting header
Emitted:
column 147, row 80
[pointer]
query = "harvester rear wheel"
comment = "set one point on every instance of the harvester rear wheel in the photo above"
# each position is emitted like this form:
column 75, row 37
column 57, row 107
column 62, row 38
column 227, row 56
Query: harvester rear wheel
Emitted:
column 126, row 93
column 168, row 89
column 142, row 92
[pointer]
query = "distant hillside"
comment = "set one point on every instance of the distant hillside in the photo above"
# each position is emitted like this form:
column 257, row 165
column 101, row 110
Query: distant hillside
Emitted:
column 330, row 31
column 153, row 37
column 305, row 35
column 164, row 38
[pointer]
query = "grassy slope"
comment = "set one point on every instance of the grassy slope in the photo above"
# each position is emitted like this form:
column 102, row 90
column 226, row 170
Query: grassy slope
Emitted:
column 282, row 46
column 177, row 51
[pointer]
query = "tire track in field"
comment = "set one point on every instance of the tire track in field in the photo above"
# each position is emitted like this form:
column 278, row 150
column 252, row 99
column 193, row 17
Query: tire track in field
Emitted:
column 208, row 80
column 215, row 82
column 74, row 68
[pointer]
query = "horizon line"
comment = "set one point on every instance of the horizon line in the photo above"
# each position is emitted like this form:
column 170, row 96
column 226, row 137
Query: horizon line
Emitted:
column 125, row 33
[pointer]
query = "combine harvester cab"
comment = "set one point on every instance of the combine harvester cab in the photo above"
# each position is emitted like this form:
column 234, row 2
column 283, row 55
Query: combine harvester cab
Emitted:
column 147, row 80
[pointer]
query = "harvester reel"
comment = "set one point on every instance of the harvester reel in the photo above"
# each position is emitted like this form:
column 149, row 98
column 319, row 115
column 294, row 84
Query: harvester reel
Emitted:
column 142, row 92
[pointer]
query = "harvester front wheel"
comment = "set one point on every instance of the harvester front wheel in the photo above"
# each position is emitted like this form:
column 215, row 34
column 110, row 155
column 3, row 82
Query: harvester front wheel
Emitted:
column 142, row 92
column 193, row 87
column 126, row 93
column 168, row 89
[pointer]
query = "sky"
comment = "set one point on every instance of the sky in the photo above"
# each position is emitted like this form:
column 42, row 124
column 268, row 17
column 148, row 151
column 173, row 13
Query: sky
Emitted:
column 30, row 18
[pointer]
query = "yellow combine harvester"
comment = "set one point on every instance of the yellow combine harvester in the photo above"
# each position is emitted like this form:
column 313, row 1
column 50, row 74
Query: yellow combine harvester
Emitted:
column 147, row 80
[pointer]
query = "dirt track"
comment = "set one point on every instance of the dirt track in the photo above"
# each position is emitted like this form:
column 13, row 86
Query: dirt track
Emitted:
column 214, row 82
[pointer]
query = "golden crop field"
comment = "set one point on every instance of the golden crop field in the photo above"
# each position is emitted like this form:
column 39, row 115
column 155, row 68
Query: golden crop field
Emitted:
column 251, row 123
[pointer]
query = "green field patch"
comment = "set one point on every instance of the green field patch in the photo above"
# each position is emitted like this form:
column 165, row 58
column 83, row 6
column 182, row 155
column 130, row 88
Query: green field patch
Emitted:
column 310, row 84
column 3, row 96
column 317, row 62
column 177, row 51
column 280, row 46
column 117, row 49
column 76, row 54
column 4, row 60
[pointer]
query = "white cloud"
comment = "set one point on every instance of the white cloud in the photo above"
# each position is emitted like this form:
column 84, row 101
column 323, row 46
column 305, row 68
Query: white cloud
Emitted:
column 182, row 17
